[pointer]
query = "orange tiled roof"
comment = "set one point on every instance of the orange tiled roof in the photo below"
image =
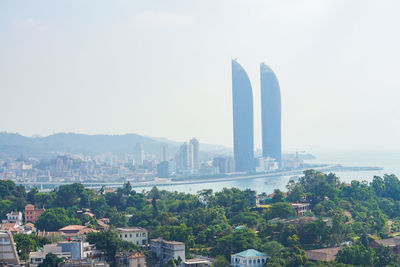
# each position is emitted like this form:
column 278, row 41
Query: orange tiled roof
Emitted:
column 72, row 227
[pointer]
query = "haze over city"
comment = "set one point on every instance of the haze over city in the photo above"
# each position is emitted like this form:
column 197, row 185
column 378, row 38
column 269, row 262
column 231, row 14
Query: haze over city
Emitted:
column 163, row 69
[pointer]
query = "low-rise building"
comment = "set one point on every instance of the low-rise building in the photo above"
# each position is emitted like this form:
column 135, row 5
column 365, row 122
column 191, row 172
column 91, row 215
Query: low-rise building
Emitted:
column 78, row 249
column 324, row 254
column 165, row 250
column 301, row 208
column 83, row 263
column 250, row 257
column 35, row 258
column 11, row 227
column 393, row 243
column 135, row 235
column 130, row 259
column 32, row 214
column 8, row 252
column 196, row 263
column 14, row 217
column 75, row 231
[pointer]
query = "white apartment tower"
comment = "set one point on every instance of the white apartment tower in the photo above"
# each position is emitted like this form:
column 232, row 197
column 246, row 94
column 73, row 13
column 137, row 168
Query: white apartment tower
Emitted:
column 139, row 154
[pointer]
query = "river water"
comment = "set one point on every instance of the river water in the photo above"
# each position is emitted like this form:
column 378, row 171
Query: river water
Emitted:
column 388, row 160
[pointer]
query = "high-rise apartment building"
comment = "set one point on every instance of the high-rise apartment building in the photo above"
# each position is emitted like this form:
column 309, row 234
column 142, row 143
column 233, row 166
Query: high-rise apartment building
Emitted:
column 183, row 158
column 270, row 114
column 196, row 150
column 163, row 152
column 139, row 154
column 243, row 131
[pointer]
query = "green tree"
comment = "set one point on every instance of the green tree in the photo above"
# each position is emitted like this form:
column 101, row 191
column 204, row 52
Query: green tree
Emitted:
column 25, row 244
column 118, row 219
column 220, row 261
column 54, row 219
column 110, row 243
column 356, row 255
column 278, row 196
column 280, row 210
column 51, row 260
column 385, row 257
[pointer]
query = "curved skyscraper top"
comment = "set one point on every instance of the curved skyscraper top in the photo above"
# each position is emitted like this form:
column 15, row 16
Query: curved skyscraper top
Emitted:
column 270, row 114
column 243, row 131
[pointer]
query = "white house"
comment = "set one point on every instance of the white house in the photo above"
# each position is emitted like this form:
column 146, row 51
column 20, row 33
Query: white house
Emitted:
column 250, row 257
column 14, row 217
column 135, row 235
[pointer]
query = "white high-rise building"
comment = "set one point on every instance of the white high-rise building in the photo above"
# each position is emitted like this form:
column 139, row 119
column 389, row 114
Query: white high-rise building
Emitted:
column 163, row 152
column 184, row 156
column 190, row 156
column 139, row 154
column 195, row 153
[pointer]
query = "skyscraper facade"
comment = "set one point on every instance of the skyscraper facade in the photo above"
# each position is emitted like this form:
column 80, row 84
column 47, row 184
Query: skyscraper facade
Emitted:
column 184, row 156
column 139, row 154
column 243, row 131
column 163, row 153
column 195, row 148
column 270, row 114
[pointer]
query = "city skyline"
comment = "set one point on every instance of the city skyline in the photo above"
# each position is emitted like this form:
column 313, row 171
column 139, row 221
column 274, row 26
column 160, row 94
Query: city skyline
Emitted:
column 92, row 69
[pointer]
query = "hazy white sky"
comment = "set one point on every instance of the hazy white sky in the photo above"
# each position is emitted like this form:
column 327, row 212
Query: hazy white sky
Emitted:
column 162, row 68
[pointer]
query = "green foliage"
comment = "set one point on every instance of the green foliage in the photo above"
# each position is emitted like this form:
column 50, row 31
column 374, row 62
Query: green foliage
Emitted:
column 51, row 260
column 27, row 243
column 55, row 218
column 251, row 219
column 238, row 241
column 118, row 219
column 70, row 195
column 278, row 196
column 280, row 210
column 110, row 243
column 220, row 261
column 356, row 255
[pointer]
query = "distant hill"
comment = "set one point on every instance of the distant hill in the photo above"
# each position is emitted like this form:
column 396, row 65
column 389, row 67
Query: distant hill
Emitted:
column 15, row 145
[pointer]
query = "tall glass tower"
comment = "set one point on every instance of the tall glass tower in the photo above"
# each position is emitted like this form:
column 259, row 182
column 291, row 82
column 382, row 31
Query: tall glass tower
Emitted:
column 270, row 114
column 243, row 129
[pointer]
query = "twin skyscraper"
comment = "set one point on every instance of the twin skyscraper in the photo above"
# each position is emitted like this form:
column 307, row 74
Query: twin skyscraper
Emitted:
column 243, row 122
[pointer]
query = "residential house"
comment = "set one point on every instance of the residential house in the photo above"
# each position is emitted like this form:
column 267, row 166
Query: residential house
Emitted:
column 135, row 235
column 130, row 259
column 393, row 243
column 14, row 217
column 75, row 232
column 250, row 257
column 324, row 254
column 301, row 208
column 32, row 214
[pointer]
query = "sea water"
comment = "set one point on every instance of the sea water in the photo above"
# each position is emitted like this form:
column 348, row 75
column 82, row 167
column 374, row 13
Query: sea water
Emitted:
column 389, row 161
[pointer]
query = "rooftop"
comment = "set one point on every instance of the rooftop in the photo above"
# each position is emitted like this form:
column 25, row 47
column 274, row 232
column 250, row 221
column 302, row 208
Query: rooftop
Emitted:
column 324, row 254
column 250, row 253
column 72, row 227
column 132, row 229
column 389, row 242
column 167, row 242
column 196, row 261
